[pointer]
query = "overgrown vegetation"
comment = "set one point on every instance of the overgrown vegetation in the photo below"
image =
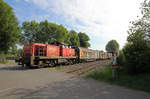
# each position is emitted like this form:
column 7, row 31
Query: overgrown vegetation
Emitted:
column 139, row 82
column 135, row 56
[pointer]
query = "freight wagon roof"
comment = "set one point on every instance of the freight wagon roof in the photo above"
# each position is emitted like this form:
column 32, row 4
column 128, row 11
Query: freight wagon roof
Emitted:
column 81, row 48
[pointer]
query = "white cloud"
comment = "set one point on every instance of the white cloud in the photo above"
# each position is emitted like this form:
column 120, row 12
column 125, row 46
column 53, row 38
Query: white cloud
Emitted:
column 107, row 19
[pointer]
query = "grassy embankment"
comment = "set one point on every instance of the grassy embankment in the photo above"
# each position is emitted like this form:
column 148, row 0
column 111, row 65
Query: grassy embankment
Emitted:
column 139, row 82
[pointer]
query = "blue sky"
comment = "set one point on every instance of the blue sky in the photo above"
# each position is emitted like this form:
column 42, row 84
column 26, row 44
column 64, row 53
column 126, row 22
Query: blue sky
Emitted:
column 102, row 20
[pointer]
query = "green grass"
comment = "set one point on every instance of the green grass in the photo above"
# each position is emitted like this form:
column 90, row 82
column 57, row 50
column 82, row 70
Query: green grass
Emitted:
column 59, row 67
column 3, row 58
column 3, row 62
column 10, row 55
column 138, row 82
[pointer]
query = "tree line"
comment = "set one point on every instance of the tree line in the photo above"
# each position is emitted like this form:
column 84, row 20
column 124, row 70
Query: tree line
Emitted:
column 135, row 55
column 134, row 58
column 47, row 32
column 33, row 32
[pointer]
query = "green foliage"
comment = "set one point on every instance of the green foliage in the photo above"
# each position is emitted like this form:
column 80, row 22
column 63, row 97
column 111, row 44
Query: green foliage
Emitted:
column 3, row 61
column 141, row 26
column 84, row 38
column 20, row 52
column 112, row 46
column 74, row 38
column 137, row 50
column 9, row 29
column 12, row 51
column 121, row 59
column 30, row 32
column 67, row 39
column 130, row 81
column 137, row 57
column 47, row 32
column 3, row 58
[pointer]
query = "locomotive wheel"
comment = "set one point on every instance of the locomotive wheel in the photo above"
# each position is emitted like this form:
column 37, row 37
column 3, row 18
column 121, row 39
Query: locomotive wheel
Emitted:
column 74, row 61
column 71, row 61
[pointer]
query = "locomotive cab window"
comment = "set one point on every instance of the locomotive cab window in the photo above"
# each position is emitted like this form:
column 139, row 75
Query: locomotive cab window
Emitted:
column 40, row 50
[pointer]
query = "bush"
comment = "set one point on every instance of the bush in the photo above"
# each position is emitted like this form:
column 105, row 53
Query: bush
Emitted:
column 121, row 59
column 3, row 58
column 137, row 57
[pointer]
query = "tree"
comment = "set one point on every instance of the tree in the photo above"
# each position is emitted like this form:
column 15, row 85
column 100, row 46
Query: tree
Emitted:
column 43, row 32
column 137, row 57
column 30, row 32
column 74, row 39
column 62, row 34
column 13, row 50
column 67, row 39
column 141, row 26
column 112, row 46
column 20, row 52
column 9, row 28
column 84, row 38
column 137, row 50
column 47, row 32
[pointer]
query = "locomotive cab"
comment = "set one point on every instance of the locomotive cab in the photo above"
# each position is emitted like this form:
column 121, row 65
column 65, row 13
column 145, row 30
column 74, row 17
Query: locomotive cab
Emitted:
column 31, row 51
column 28, row 50
column 40, row 50
column 35, row 49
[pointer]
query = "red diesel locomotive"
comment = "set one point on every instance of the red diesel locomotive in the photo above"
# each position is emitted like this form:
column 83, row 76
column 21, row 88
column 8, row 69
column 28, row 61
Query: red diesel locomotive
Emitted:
column 37, row 54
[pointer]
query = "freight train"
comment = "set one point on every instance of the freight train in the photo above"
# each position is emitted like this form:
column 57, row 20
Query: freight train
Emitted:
column 39, row 55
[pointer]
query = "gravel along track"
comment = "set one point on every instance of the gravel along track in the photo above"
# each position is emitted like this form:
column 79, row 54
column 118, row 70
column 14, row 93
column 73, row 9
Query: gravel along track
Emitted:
column 82, row 68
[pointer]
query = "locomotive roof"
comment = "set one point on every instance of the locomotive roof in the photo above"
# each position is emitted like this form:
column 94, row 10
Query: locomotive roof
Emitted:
column 34, row 44
column 60, row 43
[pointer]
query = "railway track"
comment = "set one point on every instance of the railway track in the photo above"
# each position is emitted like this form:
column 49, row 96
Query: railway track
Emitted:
column 81, row 69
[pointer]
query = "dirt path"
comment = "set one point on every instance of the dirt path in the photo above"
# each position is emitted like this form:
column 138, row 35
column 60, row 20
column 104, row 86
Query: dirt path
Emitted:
column 79, row 88
column 46, row 83
column 15, row 77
